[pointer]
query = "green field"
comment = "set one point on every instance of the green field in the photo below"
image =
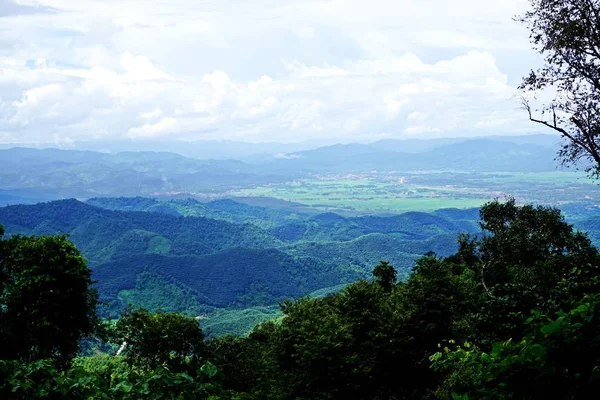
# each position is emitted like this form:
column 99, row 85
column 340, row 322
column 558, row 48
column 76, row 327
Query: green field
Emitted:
column 556, row 177
column 428, row 191
column 366, row 196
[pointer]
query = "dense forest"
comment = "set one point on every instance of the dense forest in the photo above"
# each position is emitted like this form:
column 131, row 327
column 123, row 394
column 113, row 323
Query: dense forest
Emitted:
column 200, row 258
column 511, row 314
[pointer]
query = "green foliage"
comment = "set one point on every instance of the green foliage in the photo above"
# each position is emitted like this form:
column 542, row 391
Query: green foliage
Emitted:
column 161, row 339
column 437, row 303
column 460, row 327
column 528, row 258
column 345, row 345
column 46, row 303
column 249, row 365
column 106, row 379
column 374, row 340
column 557, row 358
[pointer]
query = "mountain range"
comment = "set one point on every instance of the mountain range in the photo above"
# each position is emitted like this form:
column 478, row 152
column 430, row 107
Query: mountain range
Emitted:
column 30, row 175
column 225, row 254
column 229, row 149
column 222, row 261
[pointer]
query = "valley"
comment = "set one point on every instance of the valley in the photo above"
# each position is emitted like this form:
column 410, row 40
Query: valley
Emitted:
column 395, row 192
column 230, row 263
column 227, row 240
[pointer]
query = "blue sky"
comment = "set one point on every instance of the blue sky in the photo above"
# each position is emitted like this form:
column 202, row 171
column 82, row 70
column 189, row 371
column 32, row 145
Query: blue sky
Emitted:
column 260, row 70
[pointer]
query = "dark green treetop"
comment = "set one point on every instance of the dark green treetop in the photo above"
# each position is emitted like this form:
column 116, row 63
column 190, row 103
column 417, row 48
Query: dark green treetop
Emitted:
column 385, row 274
column 47, row 304
column 155, row 339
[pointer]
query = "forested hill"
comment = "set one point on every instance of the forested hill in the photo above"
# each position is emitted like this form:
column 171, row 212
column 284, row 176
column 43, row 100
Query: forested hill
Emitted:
column 27, row 174
column 154, row 256
column 184, row 255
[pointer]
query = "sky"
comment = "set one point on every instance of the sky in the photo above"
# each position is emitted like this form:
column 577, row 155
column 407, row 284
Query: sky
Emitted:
column 260, row 70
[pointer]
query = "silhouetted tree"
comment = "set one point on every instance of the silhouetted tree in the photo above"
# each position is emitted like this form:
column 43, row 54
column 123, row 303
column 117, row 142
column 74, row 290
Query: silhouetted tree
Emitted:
column 385, row 275
column 47, row 304
column 567, row 34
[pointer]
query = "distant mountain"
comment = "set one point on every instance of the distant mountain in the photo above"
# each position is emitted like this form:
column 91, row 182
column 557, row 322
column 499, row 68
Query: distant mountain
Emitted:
column 200, row 149
column 30, row 175
column 476, row 155
column 52, row 174
column 413, row 145
column 238, row 150
column 424, row 145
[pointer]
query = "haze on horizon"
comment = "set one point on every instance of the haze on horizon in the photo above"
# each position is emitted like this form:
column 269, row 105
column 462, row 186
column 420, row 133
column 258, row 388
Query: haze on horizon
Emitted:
column 260, row 71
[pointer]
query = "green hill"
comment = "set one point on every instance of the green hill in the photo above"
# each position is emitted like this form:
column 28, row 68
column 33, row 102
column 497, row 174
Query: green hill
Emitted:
column 215, row 257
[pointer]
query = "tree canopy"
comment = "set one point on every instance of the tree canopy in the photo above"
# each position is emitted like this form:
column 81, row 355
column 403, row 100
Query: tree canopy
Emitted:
column 47, row 304
column 512, row 314
column 155, row 339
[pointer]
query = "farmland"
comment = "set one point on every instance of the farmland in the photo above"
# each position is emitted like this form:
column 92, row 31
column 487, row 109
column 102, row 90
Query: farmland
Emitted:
column 427, row 191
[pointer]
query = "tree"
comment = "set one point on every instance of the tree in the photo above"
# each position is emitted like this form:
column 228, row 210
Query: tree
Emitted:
column 527, row 258
column 385, row 275
column 436, row 303
column 47, row 304
column 559, row 357
column 249, row 364
column 567, row 34
column 155, row 339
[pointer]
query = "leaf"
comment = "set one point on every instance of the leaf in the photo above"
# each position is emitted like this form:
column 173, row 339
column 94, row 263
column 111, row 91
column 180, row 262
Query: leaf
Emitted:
column 209, row 370
column 551, row 328
column 538, row 350
column 124, row 386
column 585, row 307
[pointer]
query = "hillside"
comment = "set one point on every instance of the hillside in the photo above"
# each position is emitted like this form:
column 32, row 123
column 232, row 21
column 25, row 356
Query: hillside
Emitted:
column 53, row 173
column 185, row 255
column 102, row 233
column 225, row 209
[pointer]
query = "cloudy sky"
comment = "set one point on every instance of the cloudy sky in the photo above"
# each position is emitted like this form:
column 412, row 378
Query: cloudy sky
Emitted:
column 260, row 70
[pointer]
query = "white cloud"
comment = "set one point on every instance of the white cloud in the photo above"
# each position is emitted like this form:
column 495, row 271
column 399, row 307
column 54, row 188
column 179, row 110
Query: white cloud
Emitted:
column 151, row 115
column 151, row 130
column 266, row 70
